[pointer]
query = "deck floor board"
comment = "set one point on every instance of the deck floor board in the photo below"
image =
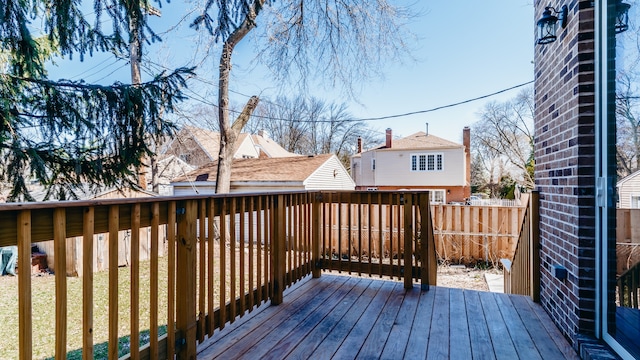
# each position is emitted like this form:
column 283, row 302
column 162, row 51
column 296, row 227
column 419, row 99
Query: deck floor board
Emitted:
column 344, row 317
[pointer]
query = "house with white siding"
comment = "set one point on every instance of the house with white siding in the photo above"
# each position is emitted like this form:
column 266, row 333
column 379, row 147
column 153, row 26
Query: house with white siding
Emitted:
column 317, row 172
column 629, row 191
column 420, row 161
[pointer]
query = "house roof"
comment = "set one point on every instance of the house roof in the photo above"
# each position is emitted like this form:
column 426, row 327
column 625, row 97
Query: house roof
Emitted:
column 420, row 140
column 297, row 168
column 210, row 140
column 627, row 178
column 270, row 147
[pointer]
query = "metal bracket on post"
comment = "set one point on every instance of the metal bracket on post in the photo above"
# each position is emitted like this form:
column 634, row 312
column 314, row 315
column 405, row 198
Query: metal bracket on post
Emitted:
column 601, row 191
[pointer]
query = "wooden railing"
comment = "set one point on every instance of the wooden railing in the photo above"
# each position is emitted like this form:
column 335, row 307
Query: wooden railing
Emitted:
column 225, row 255
column 629, row 287
column 379, row 233
column 522, row 272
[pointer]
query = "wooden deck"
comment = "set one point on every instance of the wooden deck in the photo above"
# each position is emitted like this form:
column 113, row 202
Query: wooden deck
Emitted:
column 627, row 329
column 345, row 317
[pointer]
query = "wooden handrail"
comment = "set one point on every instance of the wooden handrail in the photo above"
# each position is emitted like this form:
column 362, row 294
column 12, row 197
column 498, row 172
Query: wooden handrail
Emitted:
column 245, row 248
column 522, row 273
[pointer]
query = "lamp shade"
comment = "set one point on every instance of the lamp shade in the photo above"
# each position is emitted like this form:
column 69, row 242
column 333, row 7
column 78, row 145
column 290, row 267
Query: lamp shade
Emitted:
column 622, row 16
column 547, row 27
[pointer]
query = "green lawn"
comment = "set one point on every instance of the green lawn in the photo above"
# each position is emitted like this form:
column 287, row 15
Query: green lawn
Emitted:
column 43, row 293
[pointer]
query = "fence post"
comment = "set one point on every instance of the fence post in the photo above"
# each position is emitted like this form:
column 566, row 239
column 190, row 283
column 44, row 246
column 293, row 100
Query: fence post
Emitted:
column 408, row 240
column 316, row 265
column 186, row 280
column 534, row 207
column 278, row 256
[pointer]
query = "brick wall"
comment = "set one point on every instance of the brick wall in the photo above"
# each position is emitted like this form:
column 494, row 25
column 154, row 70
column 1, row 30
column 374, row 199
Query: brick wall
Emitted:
column 565, row 167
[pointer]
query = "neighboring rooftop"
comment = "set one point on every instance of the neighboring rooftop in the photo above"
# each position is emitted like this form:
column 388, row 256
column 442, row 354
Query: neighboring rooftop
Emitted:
column 296, row 168
column 420, row 140
column 210, row 140
column 271, row 148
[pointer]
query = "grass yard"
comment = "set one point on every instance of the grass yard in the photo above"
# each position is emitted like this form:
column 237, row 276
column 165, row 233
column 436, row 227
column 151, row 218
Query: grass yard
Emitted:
column 43, row 292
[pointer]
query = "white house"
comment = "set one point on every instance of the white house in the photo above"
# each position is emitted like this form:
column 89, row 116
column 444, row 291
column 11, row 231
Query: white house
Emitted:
column 419, row 161
column 319, row 172
column 629, row 191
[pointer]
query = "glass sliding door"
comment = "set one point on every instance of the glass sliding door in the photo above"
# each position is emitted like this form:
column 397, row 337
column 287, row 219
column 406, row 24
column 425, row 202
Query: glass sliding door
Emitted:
column 618, row 166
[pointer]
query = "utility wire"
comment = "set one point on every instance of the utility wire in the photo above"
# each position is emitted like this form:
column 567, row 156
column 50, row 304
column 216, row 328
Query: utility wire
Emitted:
column 206, row 102
column 446, row 106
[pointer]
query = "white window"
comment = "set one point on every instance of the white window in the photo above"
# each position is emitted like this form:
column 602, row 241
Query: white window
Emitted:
column 438, row 196
column 427, row 162
column 635, row 201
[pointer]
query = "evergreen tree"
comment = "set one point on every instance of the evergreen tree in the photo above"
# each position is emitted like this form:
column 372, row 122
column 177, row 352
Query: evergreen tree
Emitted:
column 69, row 134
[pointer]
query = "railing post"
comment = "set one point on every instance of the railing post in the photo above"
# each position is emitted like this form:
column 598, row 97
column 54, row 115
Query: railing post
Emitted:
column 24, row 285
column 534, row 208
column 278, row 256
column 186, row 280
column 316, row 265
column 426, row 234
column 408, row 240
column 60, row 261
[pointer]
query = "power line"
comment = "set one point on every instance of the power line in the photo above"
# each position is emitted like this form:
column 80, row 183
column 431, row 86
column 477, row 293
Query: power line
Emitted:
column 446, row 106
column 102, row 69
column 111, row 73
column 204, row 101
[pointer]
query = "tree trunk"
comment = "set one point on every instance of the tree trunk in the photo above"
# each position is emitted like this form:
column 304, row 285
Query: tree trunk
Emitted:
column 229, row 134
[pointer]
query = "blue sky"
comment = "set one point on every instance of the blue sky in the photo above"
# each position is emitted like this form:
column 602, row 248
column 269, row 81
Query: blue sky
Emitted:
column 464, row 49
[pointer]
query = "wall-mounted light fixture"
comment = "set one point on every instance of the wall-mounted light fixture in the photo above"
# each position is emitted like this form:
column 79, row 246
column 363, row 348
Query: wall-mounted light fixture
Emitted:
column 548, row 21
column 622, row 16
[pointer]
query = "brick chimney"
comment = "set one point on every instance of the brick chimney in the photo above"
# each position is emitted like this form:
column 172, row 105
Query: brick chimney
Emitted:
column 389, row 138
column 466, row 141
column 359, row 144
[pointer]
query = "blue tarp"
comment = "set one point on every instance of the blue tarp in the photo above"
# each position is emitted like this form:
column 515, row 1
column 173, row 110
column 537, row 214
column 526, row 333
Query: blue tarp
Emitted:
column 8, row 258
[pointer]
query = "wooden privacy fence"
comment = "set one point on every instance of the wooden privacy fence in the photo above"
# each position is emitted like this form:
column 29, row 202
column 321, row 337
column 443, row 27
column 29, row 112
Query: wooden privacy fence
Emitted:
column 627, row 239
column 264, row 243
column 470, row 233
column 522, row 270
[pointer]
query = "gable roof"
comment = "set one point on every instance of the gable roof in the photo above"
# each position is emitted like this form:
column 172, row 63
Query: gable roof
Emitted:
column 296, row 168
column 271, row 148
column 209, row 140
column 628, row 178
column 420, row 141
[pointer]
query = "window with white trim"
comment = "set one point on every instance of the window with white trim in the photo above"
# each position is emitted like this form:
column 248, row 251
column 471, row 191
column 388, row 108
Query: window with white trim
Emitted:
column 438, row 196
column 427, row 162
